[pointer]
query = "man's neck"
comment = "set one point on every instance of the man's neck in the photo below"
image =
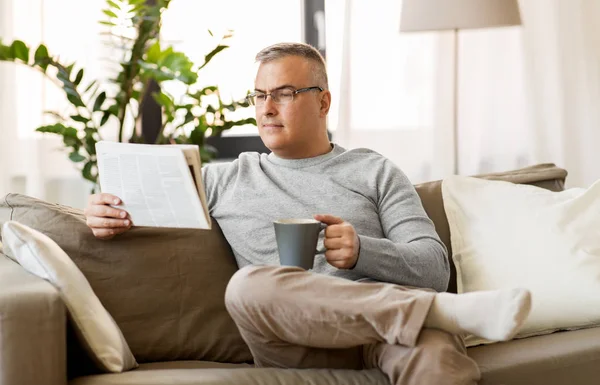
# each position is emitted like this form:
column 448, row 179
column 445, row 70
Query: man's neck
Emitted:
column 315, row 151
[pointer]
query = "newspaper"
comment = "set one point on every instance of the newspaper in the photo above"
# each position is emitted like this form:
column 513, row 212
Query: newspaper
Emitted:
column 159, row 185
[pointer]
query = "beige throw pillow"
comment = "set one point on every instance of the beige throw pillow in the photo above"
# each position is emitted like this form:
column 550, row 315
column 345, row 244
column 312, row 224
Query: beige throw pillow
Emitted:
column 506, row 235
column 99, row 333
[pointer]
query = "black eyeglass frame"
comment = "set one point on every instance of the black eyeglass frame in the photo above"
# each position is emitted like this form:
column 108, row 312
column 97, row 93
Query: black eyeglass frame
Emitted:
column 250, row 98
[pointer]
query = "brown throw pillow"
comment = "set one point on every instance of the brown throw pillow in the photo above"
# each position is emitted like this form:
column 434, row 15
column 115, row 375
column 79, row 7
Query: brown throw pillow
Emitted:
column 164, row 287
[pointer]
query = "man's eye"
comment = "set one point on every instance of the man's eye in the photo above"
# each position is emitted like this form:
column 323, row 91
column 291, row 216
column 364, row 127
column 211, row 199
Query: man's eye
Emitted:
column 260, row 96
column 285, row 93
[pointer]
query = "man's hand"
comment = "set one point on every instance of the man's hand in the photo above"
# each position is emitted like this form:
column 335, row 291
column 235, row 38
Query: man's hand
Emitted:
column 341, row 241
column 106, row 221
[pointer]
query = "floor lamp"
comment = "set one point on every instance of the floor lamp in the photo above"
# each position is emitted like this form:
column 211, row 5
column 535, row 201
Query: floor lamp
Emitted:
column 454, row 15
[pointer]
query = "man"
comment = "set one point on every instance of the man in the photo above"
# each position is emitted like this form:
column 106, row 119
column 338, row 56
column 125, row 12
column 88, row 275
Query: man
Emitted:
column 360, row 307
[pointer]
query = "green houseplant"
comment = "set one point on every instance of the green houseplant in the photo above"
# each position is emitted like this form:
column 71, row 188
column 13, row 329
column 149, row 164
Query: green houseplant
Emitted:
column 144, row 60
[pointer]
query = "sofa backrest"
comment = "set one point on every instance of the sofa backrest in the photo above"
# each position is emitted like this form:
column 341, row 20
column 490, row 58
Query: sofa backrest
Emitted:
column 546, row 175
column 164, row 287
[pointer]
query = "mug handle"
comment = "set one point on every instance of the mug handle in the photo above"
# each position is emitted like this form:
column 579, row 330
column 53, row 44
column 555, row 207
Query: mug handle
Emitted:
column 323, row 249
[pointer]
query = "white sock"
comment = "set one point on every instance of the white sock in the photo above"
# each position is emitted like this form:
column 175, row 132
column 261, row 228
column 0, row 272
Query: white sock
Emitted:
column 494, row 315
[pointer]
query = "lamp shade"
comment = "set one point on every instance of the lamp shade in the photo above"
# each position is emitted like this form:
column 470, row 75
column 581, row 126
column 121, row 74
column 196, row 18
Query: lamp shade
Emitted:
column 435, row 15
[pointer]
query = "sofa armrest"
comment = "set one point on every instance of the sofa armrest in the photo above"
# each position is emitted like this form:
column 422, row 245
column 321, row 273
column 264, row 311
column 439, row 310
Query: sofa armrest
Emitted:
column 32, row 329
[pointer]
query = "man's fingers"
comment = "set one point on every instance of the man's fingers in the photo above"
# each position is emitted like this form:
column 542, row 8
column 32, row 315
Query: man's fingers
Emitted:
column 104, row 199
column 337, row 243
column 108, row 233
column 340, row 259
column 107, row 211
column 335, row 255
column 329, row 219
column 104, row 233
column 104, row 211
column 107, row 223
column 334, row 231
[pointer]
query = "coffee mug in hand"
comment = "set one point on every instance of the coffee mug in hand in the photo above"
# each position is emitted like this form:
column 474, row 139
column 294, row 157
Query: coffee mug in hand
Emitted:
column 297, row 241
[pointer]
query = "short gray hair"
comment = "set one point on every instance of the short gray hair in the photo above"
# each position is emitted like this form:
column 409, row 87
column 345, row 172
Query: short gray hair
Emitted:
column 280, row 50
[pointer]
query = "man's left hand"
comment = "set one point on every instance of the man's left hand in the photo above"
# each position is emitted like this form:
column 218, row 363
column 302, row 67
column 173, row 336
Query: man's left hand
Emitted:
column 341, row 241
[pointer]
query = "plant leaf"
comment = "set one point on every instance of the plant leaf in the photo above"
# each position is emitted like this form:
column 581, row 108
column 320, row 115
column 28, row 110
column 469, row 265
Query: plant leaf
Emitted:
column 74, row 99
column 90, row 144
column 163, row 99
column 41, row 57
column 113, row 4
column 90, row 86
column 110, row 13
column 212, row 53
column 153, row 54
column 87, row 171
column 78, row 77
column 76, row 157
column 79, row 118
column 99, row 101
column 105, row 118
column 20, row 51
column 52, row 129
column 55, row 114
column 5, row 52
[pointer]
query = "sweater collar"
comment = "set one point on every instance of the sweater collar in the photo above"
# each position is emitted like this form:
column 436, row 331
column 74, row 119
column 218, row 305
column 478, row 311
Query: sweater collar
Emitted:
column 306, row 162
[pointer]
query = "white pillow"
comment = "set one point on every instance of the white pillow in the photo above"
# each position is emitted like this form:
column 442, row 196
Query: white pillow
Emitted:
column 506, row 235
column 99, row 333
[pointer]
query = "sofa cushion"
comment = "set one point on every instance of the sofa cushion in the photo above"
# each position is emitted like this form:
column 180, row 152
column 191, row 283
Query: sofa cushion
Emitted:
column 97, row 330
column 210, row 373
column 547, row 242
column 547, row 176
column 560, row 358
column 164, row 287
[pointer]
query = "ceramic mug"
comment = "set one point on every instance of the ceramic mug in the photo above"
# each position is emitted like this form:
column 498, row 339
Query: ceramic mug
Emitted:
column 297, row 241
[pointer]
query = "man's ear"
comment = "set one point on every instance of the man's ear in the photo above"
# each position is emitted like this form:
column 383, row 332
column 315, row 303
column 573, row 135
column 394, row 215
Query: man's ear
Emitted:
column 325, row 103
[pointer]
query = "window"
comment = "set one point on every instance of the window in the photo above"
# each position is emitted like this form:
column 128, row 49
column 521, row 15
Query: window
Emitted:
column 255, row 25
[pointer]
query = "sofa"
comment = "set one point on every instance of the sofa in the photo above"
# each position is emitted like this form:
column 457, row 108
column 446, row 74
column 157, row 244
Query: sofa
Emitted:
column 165, row 290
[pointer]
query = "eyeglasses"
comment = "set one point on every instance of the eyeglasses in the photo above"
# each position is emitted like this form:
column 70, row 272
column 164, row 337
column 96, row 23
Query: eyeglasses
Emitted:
column 279, row 96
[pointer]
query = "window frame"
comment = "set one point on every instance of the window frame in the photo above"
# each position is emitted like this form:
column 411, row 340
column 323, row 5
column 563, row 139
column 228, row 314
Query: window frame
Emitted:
column 229, row 147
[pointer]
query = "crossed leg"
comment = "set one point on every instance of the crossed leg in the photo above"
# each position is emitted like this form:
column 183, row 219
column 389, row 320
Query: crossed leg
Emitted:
column 291, row 318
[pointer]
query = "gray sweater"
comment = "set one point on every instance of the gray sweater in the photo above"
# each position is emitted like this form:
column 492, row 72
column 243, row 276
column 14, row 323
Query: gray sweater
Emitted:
column 398, row 242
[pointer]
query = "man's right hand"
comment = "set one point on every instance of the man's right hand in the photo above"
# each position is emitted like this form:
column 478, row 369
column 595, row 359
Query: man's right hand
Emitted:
column 106, row 221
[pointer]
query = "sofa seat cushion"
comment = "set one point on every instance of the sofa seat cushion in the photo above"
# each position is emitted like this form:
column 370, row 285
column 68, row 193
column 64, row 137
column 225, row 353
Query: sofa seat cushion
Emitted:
column 204, row 373
column 570, row 357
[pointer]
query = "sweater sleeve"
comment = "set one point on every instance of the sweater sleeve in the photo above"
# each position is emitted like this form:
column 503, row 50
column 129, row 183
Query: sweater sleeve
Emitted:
column 411, row 253
column 216, row 177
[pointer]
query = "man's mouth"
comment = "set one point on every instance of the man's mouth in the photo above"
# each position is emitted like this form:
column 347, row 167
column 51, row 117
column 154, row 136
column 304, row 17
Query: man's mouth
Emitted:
column 272, row 125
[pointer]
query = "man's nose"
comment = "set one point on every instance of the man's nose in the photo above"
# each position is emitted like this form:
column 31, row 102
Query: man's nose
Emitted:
column 269, row 107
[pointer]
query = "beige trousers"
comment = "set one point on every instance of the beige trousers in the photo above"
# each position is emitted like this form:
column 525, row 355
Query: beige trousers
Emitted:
column 291, row 318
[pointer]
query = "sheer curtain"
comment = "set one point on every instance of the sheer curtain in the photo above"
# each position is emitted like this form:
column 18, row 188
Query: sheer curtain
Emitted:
column 532, row 94
column 562, row 58
column 6, row 103
column 391, row 92
column 527, row 94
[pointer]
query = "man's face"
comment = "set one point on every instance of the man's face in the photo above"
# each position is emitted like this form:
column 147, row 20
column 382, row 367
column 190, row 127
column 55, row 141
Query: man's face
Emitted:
column 290, row 130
